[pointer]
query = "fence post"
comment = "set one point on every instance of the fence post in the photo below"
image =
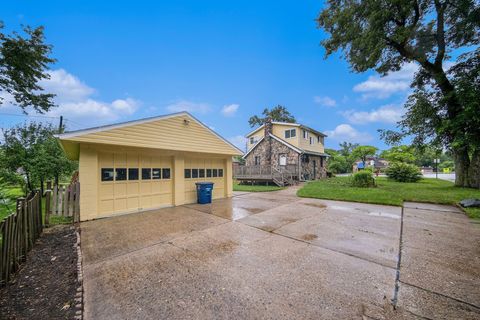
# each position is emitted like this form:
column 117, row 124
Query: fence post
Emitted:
column 48, row 194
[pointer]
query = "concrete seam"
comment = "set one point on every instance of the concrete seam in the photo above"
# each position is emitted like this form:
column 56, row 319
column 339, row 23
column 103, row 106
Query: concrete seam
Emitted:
column 79, row 302
column 441, row 294
column 399, row 262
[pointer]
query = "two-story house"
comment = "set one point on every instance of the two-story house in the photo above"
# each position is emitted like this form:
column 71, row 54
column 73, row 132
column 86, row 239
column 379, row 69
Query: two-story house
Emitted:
column 288, row 149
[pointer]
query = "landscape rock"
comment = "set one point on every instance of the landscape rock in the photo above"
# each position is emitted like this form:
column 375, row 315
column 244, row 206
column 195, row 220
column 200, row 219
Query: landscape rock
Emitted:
column 467, row 203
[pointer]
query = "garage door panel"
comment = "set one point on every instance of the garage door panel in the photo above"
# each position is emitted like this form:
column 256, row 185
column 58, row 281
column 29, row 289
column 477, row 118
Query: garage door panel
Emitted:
column 120, row 189
column 132, row 188
column 132, row 203
column 106, row 206
column 128, row 195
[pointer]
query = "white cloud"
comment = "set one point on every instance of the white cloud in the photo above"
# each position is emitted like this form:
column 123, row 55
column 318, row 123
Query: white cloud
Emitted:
column 345, row 132
column 189, row 106
column 66, row 86
column 238, row 141
column 91, row 111
column 325, row 101
column 384, row 87
column 386, row 114
column 230, row 110
column 75, row 102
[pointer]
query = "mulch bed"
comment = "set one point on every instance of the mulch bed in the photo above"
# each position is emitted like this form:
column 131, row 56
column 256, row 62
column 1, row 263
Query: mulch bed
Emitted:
column 46, row 284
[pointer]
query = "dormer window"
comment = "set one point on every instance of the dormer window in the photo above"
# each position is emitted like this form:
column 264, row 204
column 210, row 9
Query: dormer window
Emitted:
column 305, row 134
column 253, row 140
column 291, row 133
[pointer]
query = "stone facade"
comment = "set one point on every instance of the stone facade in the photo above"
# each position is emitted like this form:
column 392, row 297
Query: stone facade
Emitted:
column 314, row 167
column 276, row 149
column 262, row 150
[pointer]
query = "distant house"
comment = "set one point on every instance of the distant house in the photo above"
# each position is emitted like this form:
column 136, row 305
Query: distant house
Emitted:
column 283, row 153
column 377, row 164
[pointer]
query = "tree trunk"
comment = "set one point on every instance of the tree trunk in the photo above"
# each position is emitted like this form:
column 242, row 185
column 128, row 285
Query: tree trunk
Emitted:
column 474, row 170
column 462, row 163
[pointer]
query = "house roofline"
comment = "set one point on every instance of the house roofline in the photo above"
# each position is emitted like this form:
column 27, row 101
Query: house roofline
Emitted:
column 81, row 132
column 253, row 147
column 288, row 124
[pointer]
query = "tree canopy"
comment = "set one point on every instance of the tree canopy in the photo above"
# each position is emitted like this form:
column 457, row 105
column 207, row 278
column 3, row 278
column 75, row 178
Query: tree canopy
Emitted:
column 24, row 60
column 31, row 151
column 278, row 113
column 383, row 35
column 362, row 152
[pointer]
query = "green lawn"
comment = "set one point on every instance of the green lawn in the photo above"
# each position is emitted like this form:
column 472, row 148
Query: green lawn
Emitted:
column 16, row 192
column 390, row 192
column 254, row 188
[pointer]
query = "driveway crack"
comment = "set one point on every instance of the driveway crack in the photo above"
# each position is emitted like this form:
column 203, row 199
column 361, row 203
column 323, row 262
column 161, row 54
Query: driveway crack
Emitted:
column 399, row 262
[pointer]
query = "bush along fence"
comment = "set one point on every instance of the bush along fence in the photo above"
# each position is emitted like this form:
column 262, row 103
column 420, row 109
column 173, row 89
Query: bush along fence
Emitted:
column 21, row 229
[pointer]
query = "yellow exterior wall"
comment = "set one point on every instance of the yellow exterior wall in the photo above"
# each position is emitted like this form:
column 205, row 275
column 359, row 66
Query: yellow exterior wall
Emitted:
column 305, row 143
column 105, row 198
column 279, row 131
column 88, row 176
column 171, row 133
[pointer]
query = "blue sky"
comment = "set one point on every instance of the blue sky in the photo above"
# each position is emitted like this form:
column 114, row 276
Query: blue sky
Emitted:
column 221, row 60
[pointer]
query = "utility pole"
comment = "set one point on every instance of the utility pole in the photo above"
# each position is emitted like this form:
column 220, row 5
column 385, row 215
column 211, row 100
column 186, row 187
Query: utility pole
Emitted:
column 60, row 126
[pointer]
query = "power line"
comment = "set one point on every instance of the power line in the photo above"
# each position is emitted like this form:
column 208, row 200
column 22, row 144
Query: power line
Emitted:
column 27, row 115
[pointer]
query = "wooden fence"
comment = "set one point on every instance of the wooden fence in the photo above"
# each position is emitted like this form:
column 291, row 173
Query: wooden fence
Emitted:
column 19, row 232
column 63, row 201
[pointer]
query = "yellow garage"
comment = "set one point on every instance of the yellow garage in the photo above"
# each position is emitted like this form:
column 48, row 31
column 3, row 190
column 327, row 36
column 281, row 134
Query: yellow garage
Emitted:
column 147, row 164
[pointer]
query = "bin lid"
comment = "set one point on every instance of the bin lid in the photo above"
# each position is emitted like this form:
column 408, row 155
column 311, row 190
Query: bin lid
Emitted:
column 203, row 183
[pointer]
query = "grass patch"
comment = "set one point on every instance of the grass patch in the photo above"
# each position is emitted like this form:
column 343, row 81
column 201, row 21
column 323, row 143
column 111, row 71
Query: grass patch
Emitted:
column 391, row 193
column 254, row 188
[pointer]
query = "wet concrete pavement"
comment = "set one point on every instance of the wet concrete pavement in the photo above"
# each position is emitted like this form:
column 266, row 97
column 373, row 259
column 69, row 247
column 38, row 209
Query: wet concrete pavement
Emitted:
column 275, row 256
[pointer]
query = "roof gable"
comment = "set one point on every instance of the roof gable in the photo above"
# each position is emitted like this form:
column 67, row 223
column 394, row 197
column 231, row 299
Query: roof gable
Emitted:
column 178, row 131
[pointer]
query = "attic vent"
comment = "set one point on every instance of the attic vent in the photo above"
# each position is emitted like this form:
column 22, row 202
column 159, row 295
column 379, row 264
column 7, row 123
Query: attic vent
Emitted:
column 186, row 122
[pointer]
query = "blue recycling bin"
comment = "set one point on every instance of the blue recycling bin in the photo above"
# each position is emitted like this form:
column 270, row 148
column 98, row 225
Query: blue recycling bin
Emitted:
column 204, row 192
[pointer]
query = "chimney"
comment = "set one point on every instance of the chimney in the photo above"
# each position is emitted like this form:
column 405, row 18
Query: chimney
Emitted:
column 268, row 140
column 268, row 126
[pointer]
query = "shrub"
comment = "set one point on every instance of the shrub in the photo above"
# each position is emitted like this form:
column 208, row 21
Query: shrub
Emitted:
column 363, row 179
column 403, row 172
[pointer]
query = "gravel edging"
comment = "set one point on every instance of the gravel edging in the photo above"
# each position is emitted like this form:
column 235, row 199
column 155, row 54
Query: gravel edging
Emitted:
column 79, row 293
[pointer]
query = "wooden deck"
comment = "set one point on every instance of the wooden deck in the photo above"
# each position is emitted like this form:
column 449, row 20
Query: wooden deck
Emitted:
column 281, row 176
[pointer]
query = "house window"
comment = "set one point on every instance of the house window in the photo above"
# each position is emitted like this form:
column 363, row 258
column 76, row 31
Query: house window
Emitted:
column 194, row 173
column 188, row 173
column 220, row 172
column 321, row 162
column 156, row 173
column 201, row 173
column 132, row 173
column 291, row 133
column 319, row 139
column 257, row 160
column 311, row 140
column 107, row 174
column 215, row 173
column 166, row 173
column 282, row 159
column 120, row 174
column 209, row 173
column 146, row 173
column 253, row 140
column 305, row 134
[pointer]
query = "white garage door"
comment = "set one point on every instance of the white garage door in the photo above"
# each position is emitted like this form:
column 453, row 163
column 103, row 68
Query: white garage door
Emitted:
column 132, row 182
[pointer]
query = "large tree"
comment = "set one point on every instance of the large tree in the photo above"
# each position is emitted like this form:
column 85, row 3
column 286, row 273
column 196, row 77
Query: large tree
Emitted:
column 385, row 34
column 363, row 152
column 30, row 150
column 278, row 113
column 24, row 60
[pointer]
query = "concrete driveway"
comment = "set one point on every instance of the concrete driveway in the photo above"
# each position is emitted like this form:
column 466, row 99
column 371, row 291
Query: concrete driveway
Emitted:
column 275, row 256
